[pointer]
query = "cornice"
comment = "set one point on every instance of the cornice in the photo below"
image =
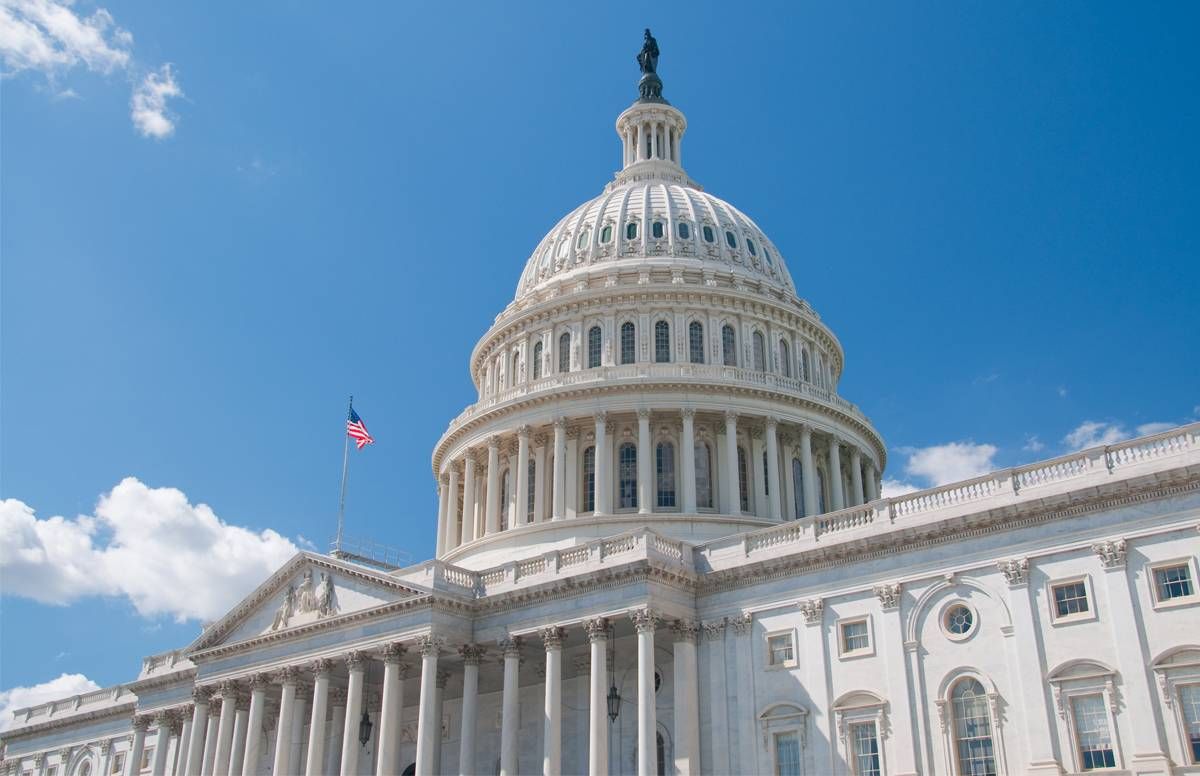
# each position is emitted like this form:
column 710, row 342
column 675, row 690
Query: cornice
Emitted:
column 122, row 709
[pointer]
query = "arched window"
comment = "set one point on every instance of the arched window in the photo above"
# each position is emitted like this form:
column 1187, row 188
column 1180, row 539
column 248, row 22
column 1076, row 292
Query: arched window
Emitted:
column 504, row 491
column 730, row 239
column 743, row 480
column 708, row 234
column 685, row 232
column 696, row 342
column 589, row 479
column 728, row 345
column 822, row 489
column 594, row 339
column 627, row 475
column 631, row 230
column 564, row 352
column 531, row 490
column 537, row 360
column 972, row 729
column 798, row 486
column 628, row 343
column 665, row 469
column 514, row 377
column 750, row 247
column 662, row 342
column 581, row 243
column 656, row 230
column 704, row 492
column 760, row 352
column 766, row 477
column 785, row 359
column 804, row 374
column 606, row 234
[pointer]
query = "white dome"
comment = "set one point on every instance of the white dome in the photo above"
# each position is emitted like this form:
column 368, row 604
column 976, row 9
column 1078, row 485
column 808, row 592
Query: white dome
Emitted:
column 670, row 223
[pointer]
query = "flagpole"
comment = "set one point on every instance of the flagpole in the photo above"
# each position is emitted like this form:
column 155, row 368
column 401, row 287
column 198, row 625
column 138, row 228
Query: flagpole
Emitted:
column 341, row 517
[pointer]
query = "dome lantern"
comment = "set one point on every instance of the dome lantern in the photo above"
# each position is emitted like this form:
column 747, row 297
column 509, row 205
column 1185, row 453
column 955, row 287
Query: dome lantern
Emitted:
column 651, row 130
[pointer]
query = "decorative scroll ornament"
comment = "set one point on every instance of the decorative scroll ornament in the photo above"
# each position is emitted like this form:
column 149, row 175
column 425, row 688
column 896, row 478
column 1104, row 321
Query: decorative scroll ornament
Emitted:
column 1111, row 553
column 317, row 598
column 1015, row 571
column 742, row 623
column 812, row 609
column 888, row 595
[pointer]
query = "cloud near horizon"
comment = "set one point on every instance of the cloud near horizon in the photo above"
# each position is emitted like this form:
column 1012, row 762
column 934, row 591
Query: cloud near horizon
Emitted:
column 64, row 686
column 151, row 546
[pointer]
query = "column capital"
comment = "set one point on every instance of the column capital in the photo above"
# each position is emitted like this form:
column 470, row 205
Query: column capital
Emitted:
column 430, row 645
column 289, row 675
column 304, row 692
column 321, row 666
column 644, row 620
column 161, row 718
column 731, row 416
column 813, row 610
column 523, row 432
column 1015, row 571
column 742, row 623
column 888, row 594
column 540, row 440
column 214, row 706
column 643, row 413
column 771, row 422
column 493, row 444
column 105, row 746
column 394, row 652
column 356, row 660
column 141, row 722
column 510, row 646
column 472, row 654
column 714, row 630
column 685, row 630
column 601, row 418
column 596, row 628
column 560, row 423
column 228, row 689
column 1111, row 553
column 552, row 638
column 201, row 694
column 806, row 430
column 260, row 681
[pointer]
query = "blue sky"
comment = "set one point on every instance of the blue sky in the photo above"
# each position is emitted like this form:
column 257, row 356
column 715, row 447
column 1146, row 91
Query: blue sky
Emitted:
column 995, row 208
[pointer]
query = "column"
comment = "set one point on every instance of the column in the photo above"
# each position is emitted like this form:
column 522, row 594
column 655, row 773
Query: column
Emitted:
column 560, row 470
column 597, row 632
column 645, row 489
column 892, row 649
column 443, row 524
column 315, row 764
column 552, row 730
column 210, row 737
column 521, row 474
column 687, row 706
column 645, row 621
column 510, row 721
column 106, row 753
column 539, row 478
column 471, row 655
column 254, row 723
column 283, row 728
column 857, row 497
column 808, row 473
column 195, row 757
column 1030, row 687
column 389, row 717
column 438, row 695
column 134, row 763
column 743, row 677
column 162, row 742
column 453, row 533
column 835, row 474
column 687, row 461
column 732, row 491
column 299, row 714
column 356, row 664
column 468, row 509
column 241, row 725
column 492, row 513
column 603, row 486
column 869, row 484
column 337, row 727
column 1149, row 755
column 429, row 725
column 774, row 484
column 718, row 705
column 185, row 741
column 813, row 642
column 228, row 692
column 573, row 448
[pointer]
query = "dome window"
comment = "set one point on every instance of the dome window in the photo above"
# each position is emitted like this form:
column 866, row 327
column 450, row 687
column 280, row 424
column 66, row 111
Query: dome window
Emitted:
column 606, row 234
column 631, row 230
column 708, row 234
column 656, row 230
column 685, row 233
column 581, row 243
column 750, row 247
column 731, row 239
column 767, row 256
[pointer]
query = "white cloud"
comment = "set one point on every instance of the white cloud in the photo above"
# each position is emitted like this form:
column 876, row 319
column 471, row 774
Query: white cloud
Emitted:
column 64, row 686
column 50, row 37
column 1062, row 392
column 1033, row 444
column 893, row 488
column 1146, row 429
column 149, row 103
column 950, row 462
column 152, row 546
column 1093, row 433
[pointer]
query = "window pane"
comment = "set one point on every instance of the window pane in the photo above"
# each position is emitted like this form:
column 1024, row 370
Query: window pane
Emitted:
column 1173, row 582
column 728, row 346
column 779, row 649
column 1091, row 733
column 627, row 464
column 760, row 352
column 594, row 339
column 750, row 247
column 703, row 476
column 1070, row 598
column 798, row 486
column 866, row 749
column 743, row 488
column 589, row 479
column 606, row 234
column 696, row 342
column 855, row 636
column 685, row 232
column 959, row 620
column 631, row 230
column 730, row 239
column 564, row 353
column 504, row 491
column 665, row 467
column 785, row 359
column 662, row 342
column 1189, row 706
column 656, row 229
column 972, row 730
column 537, row 360
column 583, row 239
column 708, row 234
column 787, row 754
column 628, row 343
column 531, row 490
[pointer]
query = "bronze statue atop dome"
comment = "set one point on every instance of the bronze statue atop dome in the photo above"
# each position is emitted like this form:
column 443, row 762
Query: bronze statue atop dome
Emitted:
column 647, row 59
column 650, row 87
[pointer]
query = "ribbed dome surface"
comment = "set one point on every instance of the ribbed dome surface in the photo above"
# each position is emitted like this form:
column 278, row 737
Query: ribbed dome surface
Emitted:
column 669, row 222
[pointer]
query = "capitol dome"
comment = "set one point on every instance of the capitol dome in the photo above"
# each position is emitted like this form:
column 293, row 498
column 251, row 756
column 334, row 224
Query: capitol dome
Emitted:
column 655, row 369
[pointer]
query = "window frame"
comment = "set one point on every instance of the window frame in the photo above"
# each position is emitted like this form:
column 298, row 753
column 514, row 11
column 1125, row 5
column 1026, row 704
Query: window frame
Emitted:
column 784, row 718
column 946, row 709
column 629, row 357
column 1078, row 678
column 853, row 654
column 709, row 504
column 945, row 611
column 769, row 660
column 860, row 707
column 1052, row 603
column 695, row 346
column 1152, row 569
column 729, row 346
column 598, row 362
column 1074, row 730
column 1176, row 669
column 621, row 480
column 662, row 346
column 587, row 480
column 661, row 447
column 852, row 748
column 564, row 353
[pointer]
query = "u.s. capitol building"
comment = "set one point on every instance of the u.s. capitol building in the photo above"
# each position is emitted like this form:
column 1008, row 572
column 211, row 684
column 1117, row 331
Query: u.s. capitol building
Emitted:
column 662, row 548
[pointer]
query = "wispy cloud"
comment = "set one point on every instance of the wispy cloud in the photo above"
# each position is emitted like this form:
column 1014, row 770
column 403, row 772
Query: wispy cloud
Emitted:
column 1096, row 433
column 51, row 38
column 940, row 464
column 1033, row 444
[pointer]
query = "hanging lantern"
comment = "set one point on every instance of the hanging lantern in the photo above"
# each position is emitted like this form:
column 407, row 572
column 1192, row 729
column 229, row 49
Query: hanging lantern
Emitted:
column 364, row 729
column 614, row 697
column 614, row 703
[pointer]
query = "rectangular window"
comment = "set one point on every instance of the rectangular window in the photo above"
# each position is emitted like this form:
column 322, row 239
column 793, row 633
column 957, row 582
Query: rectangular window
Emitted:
column 1189, row 707
column 52, row 770
column 1173, row 582
column 147, row 758
column 781, row 650
column 855, row 637
column 865, row 741
column 1091, row 733
column 787, row 754
column 1070, row 599
column 118, row 763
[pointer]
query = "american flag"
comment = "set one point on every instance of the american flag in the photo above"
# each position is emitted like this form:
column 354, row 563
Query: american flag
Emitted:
column 356, row 430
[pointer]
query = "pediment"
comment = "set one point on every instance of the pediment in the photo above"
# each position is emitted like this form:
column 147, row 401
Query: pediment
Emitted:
column 1079, row 669
column 308, row 589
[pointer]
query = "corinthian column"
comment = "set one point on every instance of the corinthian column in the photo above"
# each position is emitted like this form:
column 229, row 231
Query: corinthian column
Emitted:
column 687, row 461
column 254, row 724
column 552, row 732
column 835, row 474
column 389, row 718
column 492, row 512
column 453, row 535
column 200, row 696
column 521, row 476
column 283, row 728
column 468, row 509
column 510, row 719
column 560, row 470
column 443, row 524
column 603, row 486
column 856, row 481
column 645, row 489
column 808, row 474
column 316, row 726
column 428, row 726
column 228, row 692
column 687, row 703
column 140, row 724
column 356, row 664
column 774, row 484
column 471, row 654
column 732, row 489
column 597, row 631
column 210, row 737
column 162, row 739
column 646, row 621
